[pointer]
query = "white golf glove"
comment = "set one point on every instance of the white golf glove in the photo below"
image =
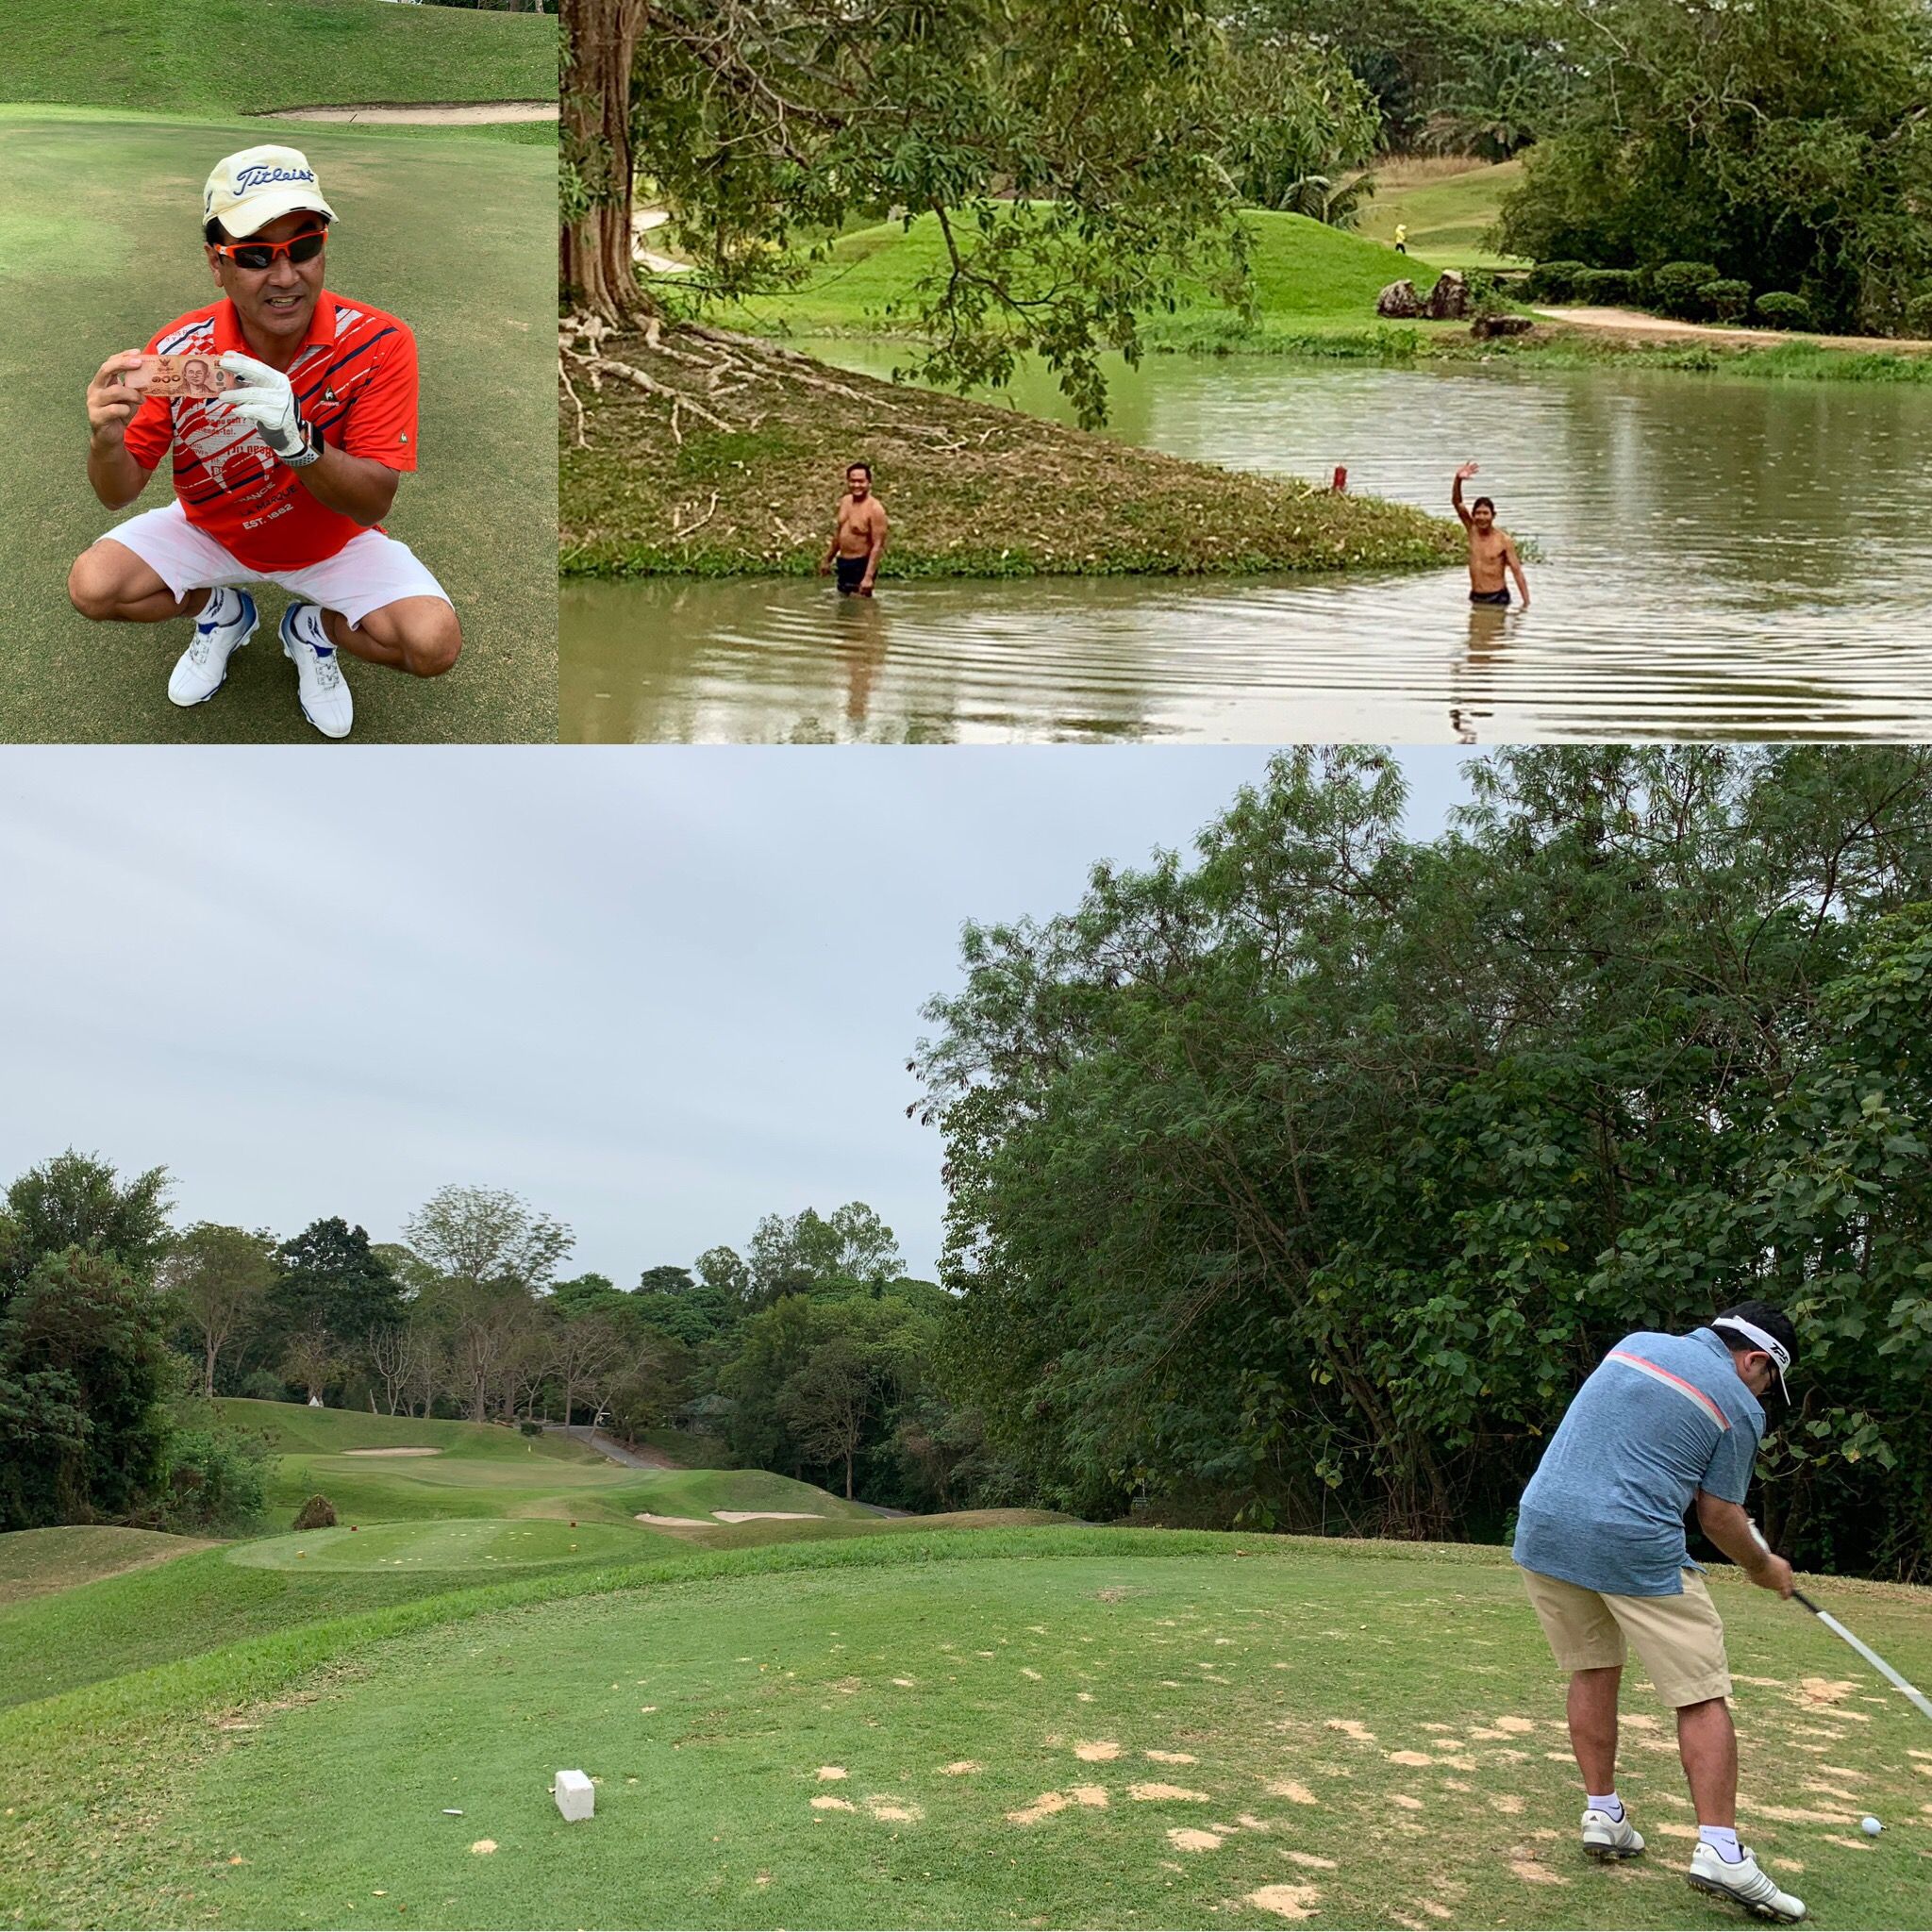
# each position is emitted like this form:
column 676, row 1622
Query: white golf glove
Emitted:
column 268, row 400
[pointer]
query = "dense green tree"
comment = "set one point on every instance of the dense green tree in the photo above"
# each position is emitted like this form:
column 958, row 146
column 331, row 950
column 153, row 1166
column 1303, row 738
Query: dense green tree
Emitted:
column 84, row 1372
column 1311, row 1177
column 79, row 1201
column 488, row 1235
column 1786, row 141
column 330, row 1276
column 1069, row 150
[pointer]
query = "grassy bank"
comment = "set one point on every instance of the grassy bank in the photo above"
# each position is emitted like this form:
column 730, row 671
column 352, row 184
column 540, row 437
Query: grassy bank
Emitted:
column 1448, row 208
column 1314, row 295
column 250, row 57
column 1006, row 1727
column 973, row 489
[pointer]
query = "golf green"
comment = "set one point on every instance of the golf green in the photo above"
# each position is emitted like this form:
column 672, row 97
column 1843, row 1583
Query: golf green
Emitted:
column 1079, row 1727
column 99, row 247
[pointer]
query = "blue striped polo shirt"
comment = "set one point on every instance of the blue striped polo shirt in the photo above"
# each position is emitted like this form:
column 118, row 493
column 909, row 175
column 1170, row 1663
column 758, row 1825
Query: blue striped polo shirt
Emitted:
column 1659, row 1418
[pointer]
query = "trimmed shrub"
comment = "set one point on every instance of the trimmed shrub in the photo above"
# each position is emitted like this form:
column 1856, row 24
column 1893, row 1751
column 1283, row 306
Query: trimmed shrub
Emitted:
column 317, row 1513
column 1781, row 308
column 1678, row 287
column 1610, row 287
column 1728, row 300
column 531, row 1429
column 1554, row 281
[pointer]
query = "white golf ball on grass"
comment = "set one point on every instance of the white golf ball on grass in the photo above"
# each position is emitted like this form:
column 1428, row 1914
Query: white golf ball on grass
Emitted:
column 1869, row 1826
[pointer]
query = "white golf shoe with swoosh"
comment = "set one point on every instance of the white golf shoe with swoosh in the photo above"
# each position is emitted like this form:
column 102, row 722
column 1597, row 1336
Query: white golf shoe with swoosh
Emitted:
column 1744, row 1884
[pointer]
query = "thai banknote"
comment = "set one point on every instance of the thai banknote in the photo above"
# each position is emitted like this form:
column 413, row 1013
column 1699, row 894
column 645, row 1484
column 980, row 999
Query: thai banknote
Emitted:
column 181, row 375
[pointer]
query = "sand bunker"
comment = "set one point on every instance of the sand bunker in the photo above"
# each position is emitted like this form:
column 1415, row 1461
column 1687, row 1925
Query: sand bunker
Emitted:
column 1287, row 1901
column 392, row 1452
column 427, row 114
column 766, row 1515
column 673, row 1522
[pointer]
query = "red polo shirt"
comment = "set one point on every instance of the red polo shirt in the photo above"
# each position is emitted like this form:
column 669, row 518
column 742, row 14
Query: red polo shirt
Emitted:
column 355, row 376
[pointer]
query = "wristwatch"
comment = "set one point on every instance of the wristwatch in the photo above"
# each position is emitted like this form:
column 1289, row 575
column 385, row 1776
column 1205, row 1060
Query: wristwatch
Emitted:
column 311, row 446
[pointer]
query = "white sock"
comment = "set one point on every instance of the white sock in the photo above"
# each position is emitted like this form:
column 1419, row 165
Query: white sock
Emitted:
column 223, row 606
column 308, row 623
column 1722, row 1841
column 1611, row 1806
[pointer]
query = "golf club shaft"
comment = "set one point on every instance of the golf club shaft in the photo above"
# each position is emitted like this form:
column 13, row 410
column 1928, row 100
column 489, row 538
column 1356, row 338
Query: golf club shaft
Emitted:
column 1864, row 1650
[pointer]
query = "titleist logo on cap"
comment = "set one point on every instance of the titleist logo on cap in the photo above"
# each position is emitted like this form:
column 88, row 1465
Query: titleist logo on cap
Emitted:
column 260, row 176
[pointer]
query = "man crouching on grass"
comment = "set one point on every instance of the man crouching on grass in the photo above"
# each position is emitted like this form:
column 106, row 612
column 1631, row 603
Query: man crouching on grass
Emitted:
column 1661, row 1421
column 285, row 478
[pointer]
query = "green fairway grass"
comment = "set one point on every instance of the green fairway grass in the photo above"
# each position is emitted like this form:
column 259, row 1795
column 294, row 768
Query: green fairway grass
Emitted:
column 249, row 56
column 1307, row 279
column 1448, row 215
column 448, row 1545
column 1001, row 1727
column 34, row 1562
column 99, row 248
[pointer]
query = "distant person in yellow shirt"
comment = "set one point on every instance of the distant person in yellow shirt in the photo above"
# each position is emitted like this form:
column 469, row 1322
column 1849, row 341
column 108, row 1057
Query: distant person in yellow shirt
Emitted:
column 1402, row 238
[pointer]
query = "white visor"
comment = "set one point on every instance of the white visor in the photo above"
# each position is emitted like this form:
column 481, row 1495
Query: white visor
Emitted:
column 1780, row 1353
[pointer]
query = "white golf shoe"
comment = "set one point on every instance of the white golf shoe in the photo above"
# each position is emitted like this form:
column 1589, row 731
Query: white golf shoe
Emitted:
column 1744, row 1884
column 1605, row 1838
column 322, row 692
column 226, row 622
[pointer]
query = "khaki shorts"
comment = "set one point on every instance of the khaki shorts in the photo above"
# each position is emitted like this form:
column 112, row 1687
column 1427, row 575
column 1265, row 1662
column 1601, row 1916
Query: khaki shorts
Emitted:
column 1679, row 1639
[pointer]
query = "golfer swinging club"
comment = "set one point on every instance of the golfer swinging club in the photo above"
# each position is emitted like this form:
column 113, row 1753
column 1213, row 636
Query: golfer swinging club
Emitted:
column 285, row 479
column 1663, row 1418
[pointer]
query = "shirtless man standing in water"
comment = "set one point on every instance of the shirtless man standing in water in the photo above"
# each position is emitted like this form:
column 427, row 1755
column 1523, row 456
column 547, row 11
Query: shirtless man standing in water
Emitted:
column 859, row 540
column 1490, row 552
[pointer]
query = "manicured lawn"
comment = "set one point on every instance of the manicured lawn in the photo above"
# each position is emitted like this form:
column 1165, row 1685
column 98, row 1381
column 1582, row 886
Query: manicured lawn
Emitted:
column 1049, row 1726
column 1447, row 215
column 243, row 57
column 121, row 258
column 35, row 1562
column 1306, row 278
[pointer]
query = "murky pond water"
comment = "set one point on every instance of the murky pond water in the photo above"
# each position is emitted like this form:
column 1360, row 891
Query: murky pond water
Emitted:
column 1715, row 556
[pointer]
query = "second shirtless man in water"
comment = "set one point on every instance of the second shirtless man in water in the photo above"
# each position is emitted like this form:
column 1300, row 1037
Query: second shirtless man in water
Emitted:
column 1491, row 550
column 859, row 539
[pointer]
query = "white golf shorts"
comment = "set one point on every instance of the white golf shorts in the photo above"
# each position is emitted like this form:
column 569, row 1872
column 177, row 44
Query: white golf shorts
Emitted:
column 369, row 571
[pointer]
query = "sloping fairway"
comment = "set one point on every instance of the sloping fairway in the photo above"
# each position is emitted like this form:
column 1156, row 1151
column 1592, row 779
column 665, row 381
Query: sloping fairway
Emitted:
column 481, row 1470
column 467, row 1546
column 252, row 55
column 1307, row 277
column 34, row 1562
column 1009, row 1727
column 99, row 249
column 1447, row 214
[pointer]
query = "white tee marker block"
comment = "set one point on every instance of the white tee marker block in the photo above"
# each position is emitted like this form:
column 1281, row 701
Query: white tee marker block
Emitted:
column 577, row 1797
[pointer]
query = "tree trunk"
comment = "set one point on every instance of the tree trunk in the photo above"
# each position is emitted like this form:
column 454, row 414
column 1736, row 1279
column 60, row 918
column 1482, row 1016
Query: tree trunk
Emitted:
column 595, row 270
column 848, row 1475
column 208, row 1372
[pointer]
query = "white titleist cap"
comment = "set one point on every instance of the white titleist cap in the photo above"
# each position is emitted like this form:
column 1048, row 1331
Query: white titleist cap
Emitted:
column 1775, row 1349
column 248, row 191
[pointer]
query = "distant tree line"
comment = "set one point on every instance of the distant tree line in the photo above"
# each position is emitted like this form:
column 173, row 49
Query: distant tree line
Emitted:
column 1301, row 1184
column 810, row 1352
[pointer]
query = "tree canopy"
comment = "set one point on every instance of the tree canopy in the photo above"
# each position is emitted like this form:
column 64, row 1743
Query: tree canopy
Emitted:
column 1313, row 1176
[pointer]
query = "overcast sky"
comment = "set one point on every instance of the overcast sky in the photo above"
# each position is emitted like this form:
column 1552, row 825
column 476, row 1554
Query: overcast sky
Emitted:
column 656, row 993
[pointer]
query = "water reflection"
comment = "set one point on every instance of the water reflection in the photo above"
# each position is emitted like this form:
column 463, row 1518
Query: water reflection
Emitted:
column 1711, row 557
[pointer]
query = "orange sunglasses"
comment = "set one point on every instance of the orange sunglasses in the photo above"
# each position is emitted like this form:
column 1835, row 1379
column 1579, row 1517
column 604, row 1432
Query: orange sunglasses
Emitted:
column 260, row 255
